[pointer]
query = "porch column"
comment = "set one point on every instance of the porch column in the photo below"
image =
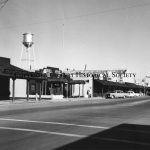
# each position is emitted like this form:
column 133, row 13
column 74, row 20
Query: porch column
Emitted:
column 52, row 92
column 67, row 90
column 102, row 92
column 92, row 88
column 27, row 90
column 40, row 85
column 83, row 90
column 62, row 88
column 13, row 89
column 70, row 90
column 73, row 89
column 45, row 87
column 79, row 90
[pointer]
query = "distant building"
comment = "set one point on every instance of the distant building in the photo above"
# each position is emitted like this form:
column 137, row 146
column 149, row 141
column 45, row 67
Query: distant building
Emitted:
column 89, row 76
column 99, row 82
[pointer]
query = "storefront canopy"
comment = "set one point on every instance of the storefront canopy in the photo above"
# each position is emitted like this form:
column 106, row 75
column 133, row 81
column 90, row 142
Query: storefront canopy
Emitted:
column 122, row 85
column 11, row 71
column 57, row 80
column 77, row 82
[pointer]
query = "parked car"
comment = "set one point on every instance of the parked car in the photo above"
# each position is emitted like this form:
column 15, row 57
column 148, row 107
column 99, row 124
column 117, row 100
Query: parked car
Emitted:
column 141, row 94
column 137, row 94
column 116, row 94
column 132, row 94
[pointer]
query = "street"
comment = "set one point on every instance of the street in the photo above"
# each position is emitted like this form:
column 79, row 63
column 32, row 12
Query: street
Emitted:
column 92, row 124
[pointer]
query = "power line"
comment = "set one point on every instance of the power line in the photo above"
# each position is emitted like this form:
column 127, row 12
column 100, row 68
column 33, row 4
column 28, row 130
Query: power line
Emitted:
column 3, row 3
column 78, row 16
column 108, row 11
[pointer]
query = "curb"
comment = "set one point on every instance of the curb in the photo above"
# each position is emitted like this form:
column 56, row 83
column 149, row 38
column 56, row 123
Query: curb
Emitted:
column 21, row 101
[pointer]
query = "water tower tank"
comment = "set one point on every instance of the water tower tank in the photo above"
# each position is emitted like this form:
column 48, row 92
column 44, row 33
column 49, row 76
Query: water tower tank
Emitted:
column 27, row 40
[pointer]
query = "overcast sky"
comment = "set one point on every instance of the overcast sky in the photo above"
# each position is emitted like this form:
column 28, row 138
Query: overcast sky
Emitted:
column 104, row 34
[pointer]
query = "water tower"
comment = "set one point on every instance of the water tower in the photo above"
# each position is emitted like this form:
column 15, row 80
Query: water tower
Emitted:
column 27, row 54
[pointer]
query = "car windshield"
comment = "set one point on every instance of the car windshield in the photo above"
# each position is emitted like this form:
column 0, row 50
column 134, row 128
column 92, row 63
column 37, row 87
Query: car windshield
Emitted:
column 117, row 91
column 130, row 91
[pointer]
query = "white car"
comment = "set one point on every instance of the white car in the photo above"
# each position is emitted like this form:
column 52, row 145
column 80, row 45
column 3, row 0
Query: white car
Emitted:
column 116, row 94
column 132, row 94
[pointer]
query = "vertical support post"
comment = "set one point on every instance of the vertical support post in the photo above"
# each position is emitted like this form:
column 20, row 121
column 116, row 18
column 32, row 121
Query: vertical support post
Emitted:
column 29, row 59
column 79, row 90
column 83, row 90
column 62, row 88
column 67, row 89
column 73, row 89
column 40, row 83
column 42, row 87
column 13, row 90
column 102, row 92
column 70, row 90
column 52, row 91
column 92, row 90
column 45, row 86
column 27, row 90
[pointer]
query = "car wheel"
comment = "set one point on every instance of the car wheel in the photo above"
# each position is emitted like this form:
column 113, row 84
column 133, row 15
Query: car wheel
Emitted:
column 112, row 96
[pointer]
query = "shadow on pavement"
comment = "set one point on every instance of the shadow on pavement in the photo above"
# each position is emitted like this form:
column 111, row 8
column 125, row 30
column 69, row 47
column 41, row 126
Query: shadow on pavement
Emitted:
column 124, row 136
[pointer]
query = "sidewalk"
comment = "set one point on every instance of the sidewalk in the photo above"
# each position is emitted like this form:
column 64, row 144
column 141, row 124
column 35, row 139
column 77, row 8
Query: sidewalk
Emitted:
column 7, row 107
column 67, row 101
column 21, row 101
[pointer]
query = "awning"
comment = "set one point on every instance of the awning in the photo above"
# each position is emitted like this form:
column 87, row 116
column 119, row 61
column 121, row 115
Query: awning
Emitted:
column 132, row 85
column 57, row 80
column 110, row 83
column 12, row 71
column 63, row 80
column 123, row 85
column 77, row 82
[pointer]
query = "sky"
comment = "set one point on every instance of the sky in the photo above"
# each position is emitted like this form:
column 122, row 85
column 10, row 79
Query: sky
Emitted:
column 104, row 34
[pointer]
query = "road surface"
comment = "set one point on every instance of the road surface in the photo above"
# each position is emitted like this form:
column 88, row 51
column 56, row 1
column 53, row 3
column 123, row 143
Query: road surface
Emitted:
column 92, row 124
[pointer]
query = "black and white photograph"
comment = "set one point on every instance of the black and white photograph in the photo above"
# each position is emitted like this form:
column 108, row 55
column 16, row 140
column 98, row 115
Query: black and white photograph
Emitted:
column 74, row 74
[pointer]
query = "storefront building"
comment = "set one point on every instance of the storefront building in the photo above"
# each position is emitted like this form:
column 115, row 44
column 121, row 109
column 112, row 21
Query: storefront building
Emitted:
column 56, row 84
column 98, row 82
column 48, row 82
column 52, row 83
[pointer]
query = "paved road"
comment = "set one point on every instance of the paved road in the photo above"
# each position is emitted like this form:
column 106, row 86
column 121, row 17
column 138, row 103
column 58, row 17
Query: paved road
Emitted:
column 92, row 124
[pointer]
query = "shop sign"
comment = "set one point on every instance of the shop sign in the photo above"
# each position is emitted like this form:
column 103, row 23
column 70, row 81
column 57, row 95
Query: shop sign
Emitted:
column 23, row 74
